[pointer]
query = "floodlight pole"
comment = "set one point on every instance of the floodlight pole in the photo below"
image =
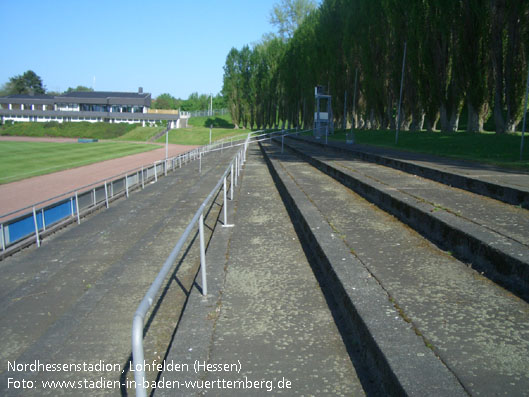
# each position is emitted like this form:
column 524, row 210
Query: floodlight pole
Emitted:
column 345, row 110
column 353, row 124
column 400, row 96
column 524, row 113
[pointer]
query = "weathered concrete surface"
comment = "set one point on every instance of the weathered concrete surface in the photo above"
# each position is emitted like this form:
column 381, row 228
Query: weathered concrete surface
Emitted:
column 272, row 318
column 490, row 235
column 73, row 299
column 479, row 330
column 502, row 184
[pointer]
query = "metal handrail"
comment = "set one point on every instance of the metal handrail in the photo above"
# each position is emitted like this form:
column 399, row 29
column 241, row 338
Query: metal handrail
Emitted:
column 234, row 167
column 6, row 220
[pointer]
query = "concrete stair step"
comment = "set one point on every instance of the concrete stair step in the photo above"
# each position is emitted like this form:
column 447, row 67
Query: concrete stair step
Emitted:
column 429, row 324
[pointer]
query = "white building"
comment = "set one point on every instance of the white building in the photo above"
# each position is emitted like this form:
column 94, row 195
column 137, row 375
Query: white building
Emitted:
column 95, row 106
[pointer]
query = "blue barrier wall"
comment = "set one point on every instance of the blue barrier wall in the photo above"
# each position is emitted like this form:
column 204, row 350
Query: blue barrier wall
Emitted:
column 25, row 226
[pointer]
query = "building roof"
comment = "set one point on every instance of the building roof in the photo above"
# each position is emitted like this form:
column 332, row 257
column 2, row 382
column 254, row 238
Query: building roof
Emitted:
column 88, row 97
column 29, row 96
column 104, row 94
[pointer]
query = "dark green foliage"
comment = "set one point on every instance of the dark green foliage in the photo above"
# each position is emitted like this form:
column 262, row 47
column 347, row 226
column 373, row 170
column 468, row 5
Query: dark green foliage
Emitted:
column 69, row 130
column 27, row 83
column 461, row 54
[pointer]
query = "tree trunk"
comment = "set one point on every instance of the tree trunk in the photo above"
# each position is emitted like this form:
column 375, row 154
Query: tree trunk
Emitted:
column 476, row 118
column 453, row 125
column 498, row 24
column 430, row 121
column 444, row 120
column 417, row 121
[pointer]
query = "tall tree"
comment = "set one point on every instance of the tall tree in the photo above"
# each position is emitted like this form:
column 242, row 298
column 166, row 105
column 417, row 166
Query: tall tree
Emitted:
column 289, row 14
column 27, row 83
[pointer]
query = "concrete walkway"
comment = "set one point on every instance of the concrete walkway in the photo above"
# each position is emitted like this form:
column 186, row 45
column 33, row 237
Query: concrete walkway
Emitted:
column 270, row 323
column 71, row 302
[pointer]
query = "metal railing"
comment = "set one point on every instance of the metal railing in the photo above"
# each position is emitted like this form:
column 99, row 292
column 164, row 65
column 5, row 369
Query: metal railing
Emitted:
column 25, row 226
column 233, row 170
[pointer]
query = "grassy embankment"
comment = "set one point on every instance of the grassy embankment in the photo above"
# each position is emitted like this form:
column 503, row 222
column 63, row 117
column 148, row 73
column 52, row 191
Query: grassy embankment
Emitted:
column 489, row 148
column 197, row 132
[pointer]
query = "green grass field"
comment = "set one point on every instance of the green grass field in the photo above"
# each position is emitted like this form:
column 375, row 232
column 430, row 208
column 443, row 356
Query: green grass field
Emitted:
column 20, row 160
column 500, row 150
column 198, row 131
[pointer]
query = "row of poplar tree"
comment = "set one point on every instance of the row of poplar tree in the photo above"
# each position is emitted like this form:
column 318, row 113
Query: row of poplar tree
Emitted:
column 464, row 59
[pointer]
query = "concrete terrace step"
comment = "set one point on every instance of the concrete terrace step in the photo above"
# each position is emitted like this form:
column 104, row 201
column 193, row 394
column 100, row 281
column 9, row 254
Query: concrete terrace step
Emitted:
column 429, row 324
column 492, row 236
column 267, row 316
column 509, row 186
column 73, row 299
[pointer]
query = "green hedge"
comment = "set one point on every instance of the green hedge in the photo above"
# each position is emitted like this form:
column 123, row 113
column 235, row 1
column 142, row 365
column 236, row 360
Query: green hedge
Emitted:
column 68, row 130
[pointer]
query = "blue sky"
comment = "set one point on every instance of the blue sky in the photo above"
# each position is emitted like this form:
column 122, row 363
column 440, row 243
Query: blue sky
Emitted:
column 177, row 46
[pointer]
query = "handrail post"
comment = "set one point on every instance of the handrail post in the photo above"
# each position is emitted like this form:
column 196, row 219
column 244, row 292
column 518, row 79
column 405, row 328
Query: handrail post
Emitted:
column 202, row 255
column 142, row 178
column 43, row 220
column 236, row 168
column 231, row 182
column 127, row 185
column 106, row 194
column 225, row 206
column 137, row 355
column 36, row 227
column 3, row 237
column 77, row 208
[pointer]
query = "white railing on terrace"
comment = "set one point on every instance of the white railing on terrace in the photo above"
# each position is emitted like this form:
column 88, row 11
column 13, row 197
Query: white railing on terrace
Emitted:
column 233, row 170
column 27, row 225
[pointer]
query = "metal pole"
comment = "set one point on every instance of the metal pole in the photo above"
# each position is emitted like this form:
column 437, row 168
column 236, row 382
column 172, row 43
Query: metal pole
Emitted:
column 127, row 185
column 353, row 124
column 94, row 192
column 106, row 194
column 200, row 163
column 71, row 205
column 77, row 208
column 142, row 179
column 231, row 182
column 43, row 221
column 524, row 113
column 155, row 173
column 210, row 127
column 345, row 110
column 202, row 255
column 400, row 96
column 3, row 237
column 236, row 168
column 36, row 227
column 225, row 204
